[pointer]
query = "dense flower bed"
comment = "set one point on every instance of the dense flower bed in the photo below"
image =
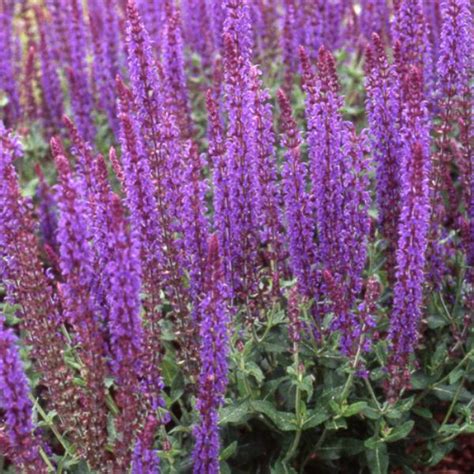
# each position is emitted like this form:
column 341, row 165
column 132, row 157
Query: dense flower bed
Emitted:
column 235, row 236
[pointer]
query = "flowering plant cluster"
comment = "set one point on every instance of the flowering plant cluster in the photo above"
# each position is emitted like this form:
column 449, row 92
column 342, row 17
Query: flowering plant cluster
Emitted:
column 236, row 236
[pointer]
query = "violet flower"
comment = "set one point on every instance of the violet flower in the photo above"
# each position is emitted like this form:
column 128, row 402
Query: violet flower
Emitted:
column 410, row 31
column 195, row 224
column 298, row 209
column 267, row 199
column 172, row 54
column 197, row 33
column 374, row 18
column 76, row 262
column 48, row 221
column 340, row 187
column 81, row 97
column 162, row 148
column 216, row 14
column 15, row 401
column 7, row 66
column 240, row 270
column 124, row 324
column 213, row 376
column 383, row 110
column 49, row 79
column 26, row 285
column 413, row 231
column 454, row 95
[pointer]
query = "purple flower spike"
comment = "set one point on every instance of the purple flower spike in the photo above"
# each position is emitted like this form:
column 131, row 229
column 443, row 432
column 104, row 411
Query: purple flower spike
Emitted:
column 383, row 110
column 197, row 31
column 76, row 264
column 340, row 185
column 14, row 400
column 174, row 72
column 454, row 96
column 213, row 377
column 81, row 97
column 7, row 65
column 374, row 18
column 47, row 212
column 50, row 83
column 145, row 458
column 267, row 198
column 298, row 208
column 410, row 31
column 240, row 270
column 413, row 232
column 195, row 224
column 216, row 13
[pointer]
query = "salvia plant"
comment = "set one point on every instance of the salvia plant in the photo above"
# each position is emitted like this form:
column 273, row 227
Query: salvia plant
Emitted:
column 236, row 236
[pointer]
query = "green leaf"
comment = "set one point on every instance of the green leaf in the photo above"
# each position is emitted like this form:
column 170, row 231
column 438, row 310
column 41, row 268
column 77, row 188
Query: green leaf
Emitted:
column 423, row 412
column 371, row 413
column 447, row 393
column 306, row 385
column 283, row 420
column 273, row 385
column 377, row 459
column 373, row 442
column 234, row 414
column 281, row 467
column 224, row 468
column 169, row 369
column 229, row 451
column 450, row 429
column 253, row 369
column 400, row 432
column 455, row 375
column 381, row 352
column 336, row 424
column 354, row 409
column 315, row 418
column 436, row 321
column 406, row 404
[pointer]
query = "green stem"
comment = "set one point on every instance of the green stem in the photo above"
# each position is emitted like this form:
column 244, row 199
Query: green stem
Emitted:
column 68, row 449
column 299, row 421
column 347, row 385
column 46, row 460
column 244, row 377
column 446, row 377
column 317, row 446
column 454, row 401
column 372, row 394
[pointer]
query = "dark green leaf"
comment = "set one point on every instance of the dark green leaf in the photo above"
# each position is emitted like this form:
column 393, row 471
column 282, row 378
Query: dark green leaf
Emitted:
column 354, row 409
column 229, row 451
column 283, row 420
column 234, row 414
column 315, row 418
column 377, row 459
column 400, row 432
